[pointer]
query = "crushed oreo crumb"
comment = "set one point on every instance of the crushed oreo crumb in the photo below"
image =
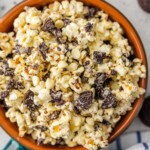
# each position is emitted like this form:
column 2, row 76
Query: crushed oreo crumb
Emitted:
column 60, row 141
column 109, row 99
column 48, row 26
column 101, row 78
column 54, row 115
column 35, row 66
column 40, row 141
column 99, row 57
column 88, row 27
column 29, row 100
column 58, row 34
column 57, row 97
column 9, row 72
column 41, row 127
column 18, row 48
column 84, row 79
column 12, row 84
column 43, row 48
column 32, row 116
column 66, row 21
column 28, row 50
column 6, row 70
column 58, row 48
column 3, row 94
column 91, row 12
column 84, row 101
column 113, row 72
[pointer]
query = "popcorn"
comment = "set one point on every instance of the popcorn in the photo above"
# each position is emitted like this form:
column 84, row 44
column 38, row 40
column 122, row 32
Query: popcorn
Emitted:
column 62, row 64
column 49, row 83
column 35, row 80
column 66, row 76
column 75, row 53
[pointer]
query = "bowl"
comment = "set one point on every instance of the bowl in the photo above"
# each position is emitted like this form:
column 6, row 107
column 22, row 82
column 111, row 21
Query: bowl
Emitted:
column 6, row 26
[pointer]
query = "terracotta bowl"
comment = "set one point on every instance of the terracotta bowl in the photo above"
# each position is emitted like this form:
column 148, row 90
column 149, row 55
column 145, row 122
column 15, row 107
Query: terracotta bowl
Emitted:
column 6, row 25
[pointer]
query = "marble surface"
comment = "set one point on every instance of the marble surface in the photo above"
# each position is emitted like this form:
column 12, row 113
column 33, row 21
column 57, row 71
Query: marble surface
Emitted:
column 141, row 22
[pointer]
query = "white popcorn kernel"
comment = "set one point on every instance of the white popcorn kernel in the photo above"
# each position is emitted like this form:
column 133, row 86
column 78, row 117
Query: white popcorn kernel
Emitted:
column 73, row 66
column 44, row 94
column 90, row 121
column 121, row 70
column 38, row 101
column 76, row 120
column 11, row 63
column 79, row 71
column 35, row 80
column 71, row 30
column 49, row 83
column 75, row 53
column 105, row 49
column 65, row 81
column 59, row 24
column 88, row 127
column 62, row 64
column 13, row 96
column 36, row 20
column 65, row 4
column 55, row 72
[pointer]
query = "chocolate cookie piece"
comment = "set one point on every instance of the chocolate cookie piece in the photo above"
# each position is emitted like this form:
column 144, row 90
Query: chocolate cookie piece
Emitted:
column 41, row 127
column 48, row 25
column 29, row 100
column 43, row 48
column 66, row 21
column 145, row 4
column 109, row 99
column 54, row 115
column 113, row 72
column 99, row 57
column 84, row 101
column 3, row 94
column 101, row 78
column 57, row 97
column 145, row 112
column 91, row 12
column 12, row 84
column 88, row 27
column 6, row 70
column 60, row 141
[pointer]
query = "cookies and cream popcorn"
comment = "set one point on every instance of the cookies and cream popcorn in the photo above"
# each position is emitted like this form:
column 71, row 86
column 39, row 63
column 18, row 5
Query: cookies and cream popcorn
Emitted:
column 67, row 74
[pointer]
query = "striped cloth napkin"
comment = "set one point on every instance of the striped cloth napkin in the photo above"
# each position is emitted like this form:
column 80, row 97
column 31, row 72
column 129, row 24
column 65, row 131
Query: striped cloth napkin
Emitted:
column 132, row 141
column 128, row 141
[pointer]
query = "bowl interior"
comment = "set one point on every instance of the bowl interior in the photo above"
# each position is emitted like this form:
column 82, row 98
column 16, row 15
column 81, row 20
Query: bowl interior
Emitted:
column 6, row 25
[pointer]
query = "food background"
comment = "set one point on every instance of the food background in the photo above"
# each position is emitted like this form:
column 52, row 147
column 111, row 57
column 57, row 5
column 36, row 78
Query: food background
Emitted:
column 141, row 21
